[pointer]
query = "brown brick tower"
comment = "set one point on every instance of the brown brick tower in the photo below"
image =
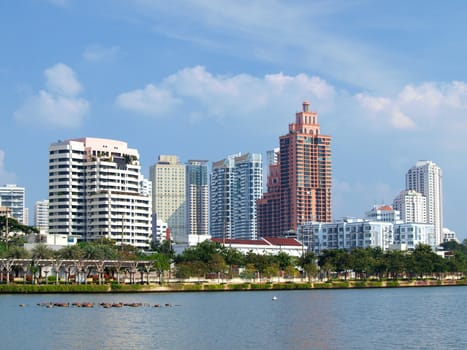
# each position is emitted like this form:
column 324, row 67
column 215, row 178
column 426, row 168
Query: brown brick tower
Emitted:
column 299, row 185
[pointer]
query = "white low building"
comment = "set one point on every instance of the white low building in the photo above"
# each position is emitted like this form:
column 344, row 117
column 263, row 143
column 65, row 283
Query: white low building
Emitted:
column 351, row 233
column 265, row 245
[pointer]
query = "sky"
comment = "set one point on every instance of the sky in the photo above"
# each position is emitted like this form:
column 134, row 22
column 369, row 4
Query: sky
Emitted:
column 205, row 79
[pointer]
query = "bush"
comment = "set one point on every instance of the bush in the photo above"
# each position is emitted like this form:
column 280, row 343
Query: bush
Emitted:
column 360, row 284
column 52, row 288
column 213, row 287
column 340, row 285
column 259, row 286
column 243, row 286
column 392, row 284
column 373, row 284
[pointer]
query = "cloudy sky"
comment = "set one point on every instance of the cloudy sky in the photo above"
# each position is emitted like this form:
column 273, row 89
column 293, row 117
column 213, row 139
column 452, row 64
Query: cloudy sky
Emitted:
column 204, row 79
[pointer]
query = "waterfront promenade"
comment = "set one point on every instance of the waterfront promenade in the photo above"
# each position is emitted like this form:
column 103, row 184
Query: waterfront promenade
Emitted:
column 226, row 285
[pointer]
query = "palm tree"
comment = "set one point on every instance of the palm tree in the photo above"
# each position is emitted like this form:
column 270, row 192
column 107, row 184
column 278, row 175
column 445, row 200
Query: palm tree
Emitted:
column 39, row 252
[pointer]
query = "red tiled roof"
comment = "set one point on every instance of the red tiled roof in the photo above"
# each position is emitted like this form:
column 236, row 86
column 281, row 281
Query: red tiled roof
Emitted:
column 283, row 241
column 385, row 207
column 239, row 241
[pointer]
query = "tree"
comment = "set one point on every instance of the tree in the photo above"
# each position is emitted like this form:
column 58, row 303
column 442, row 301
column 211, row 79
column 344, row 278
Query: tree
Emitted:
column 42, row 251
column 217, row 264
column 284, row 260
column 165, row 248
column 396, row 263
column 71, row 252
column 361, row 262
column 233, row 258
column 161, row 263
column 14, row 226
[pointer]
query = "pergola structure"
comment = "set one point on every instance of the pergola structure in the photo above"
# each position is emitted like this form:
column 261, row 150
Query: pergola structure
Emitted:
column 80, row 269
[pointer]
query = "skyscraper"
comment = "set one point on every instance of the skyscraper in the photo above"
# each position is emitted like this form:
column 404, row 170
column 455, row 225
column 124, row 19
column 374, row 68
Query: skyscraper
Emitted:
column 427, row 178
column 168, row 178
column 197, row 197
column 12, row 196
column 412, row 206
column 299, row 185
column 41, row 216
column 96, row 191
column 236, row 185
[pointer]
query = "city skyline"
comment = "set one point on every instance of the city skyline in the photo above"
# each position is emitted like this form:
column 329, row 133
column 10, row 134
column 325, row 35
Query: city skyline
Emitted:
column 390, row 87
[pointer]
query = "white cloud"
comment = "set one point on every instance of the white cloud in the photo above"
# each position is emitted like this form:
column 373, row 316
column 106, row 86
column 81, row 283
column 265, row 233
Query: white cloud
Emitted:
column 426, row 106
column 221, row 96
column 309, row 36
column 151, row 100
column 61, row 80
column 374, row 104
column 400, row 121
column 98, row 53
column 59, row 105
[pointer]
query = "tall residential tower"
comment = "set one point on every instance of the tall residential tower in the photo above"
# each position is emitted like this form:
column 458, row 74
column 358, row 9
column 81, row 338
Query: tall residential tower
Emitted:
column 236, row 185
column 299, row 185
column 427, row 178
column 168, row 178
column 197, row 197
column 12, row 196
column 96, row 190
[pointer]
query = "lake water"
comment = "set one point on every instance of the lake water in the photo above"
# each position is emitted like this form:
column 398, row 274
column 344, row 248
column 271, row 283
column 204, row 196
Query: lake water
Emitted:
column 403, row 318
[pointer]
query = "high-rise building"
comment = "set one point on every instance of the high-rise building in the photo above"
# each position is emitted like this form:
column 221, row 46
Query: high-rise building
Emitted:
column 272, row 156
column 197, row 197
column 412, row 206
column 41, row 216
column 236, row 185
column 96, row 191
column 168, row 178
column 13, row 197
column 427, row 178
column 299, row 185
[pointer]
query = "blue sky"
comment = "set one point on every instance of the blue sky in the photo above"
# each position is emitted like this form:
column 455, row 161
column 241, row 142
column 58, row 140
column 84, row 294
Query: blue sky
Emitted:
column 204, row 79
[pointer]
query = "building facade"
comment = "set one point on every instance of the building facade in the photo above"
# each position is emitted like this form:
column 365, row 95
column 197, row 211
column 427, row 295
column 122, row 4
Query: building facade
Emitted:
column 235, row 186
column 13, row 197
column 427, row 178
column 412, row 206
column 197, row 197
column 352, row 233
column 300, row 181
column 95, row 191
column 41, row 216
column 384, row 213
column 168, row 178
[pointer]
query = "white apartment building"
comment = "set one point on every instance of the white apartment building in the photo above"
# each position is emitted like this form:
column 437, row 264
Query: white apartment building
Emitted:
column 346, row 233
column 236, row 185
column 351, row 233
column 449, row 235
column 168, row 178
column 413, row 234
column 427, row 178
column 41, row 216
column 13, row 197
column 412, row 206
column 160, row 231
column 383, row 212
column 95, row 191
column 272, row 156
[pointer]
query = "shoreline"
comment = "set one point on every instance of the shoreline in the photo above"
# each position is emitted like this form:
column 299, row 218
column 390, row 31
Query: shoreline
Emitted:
column 176, row 287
